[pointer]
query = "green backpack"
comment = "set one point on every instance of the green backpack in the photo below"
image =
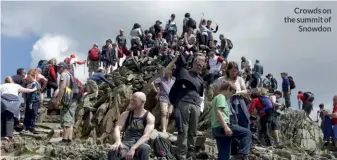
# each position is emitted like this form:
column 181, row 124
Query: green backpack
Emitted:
column 162, row 148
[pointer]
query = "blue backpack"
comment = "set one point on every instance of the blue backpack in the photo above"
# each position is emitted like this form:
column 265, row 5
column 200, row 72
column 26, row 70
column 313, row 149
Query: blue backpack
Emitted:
column 267, row 104
column 42, row 63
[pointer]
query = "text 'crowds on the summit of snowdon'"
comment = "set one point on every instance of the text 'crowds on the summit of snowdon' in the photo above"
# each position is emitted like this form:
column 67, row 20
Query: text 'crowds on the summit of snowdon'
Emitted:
column 311, row 19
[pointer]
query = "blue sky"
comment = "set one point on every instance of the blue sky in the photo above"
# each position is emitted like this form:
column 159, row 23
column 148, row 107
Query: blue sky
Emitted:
column 15, row 53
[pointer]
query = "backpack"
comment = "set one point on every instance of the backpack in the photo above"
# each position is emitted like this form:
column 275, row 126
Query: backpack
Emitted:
column 67, row 97
column 93, row 54
column 273, row 82
column 230, row 44
column 162, row 148
column 42, row 63
column 192, row 23
column 45, row 71
column 267, row 104
column 309, row 96
column 292, row 83
column 152, row 30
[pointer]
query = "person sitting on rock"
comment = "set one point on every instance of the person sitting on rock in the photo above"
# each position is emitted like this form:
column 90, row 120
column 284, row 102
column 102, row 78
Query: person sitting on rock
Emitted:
column 222, row 128
column 264, row 108
column 137, row 125
column 162, row 86
column 93, row 82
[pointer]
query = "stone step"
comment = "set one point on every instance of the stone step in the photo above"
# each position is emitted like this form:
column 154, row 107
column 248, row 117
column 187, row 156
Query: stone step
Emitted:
column 54, row 126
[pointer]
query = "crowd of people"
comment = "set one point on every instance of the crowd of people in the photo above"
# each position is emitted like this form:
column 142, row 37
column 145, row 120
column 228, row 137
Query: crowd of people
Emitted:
column 199, row 63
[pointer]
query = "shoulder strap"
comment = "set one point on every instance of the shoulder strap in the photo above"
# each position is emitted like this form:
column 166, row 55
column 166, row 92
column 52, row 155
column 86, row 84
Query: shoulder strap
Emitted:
column 145, row 118
column 128, row 120
column 262, row 102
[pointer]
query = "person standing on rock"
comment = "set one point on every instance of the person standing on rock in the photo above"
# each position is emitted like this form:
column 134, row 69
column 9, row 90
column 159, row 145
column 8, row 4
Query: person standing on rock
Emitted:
column 137, row 125
column 333, row 117
column 32, row 102
column 10, row 106
column 162, row 86
column 67, row 112
column 275, row 125
column 264, row 108
column 223, row 130
column 93, row 82
column 286, row 89
column 185, row 95
column 94, row 57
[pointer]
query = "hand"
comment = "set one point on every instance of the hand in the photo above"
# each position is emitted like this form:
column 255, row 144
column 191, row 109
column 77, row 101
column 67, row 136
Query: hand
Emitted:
column 34, row 89
column 130, row 154
column 228, row 131
column 115, row 146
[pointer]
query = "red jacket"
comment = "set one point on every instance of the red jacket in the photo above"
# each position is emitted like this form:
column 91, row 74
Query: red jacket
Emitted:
column 334, row 120
column 52, row 73
column 256, row 104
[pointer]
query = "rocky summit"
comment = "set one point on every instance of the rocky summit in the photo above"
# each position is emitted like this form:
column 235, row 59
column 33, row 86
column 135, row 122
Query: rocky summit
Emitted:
column 95, row 120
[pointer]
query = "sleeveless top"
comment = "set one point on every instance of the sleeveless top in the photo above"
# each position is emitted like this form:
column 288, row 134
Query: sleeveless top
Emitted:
column 135, row 128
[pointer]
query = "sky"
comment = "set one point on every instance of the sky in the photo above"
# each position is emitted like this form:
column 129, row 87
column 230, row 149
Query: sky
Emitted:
column 42, row 30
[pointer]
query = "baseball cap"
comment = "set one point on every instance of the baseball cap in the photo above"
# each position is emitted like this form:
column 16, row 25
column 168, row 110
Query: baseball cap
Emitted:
column 62, row 64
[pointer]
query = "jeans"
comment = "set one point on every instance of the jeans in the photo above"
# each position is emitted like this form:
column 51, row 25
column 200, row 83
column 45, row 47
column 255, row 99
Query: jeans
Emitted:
column 31, row 115
column 141, row 153
column 224, row 142
column 265, row 122
column 287, row 99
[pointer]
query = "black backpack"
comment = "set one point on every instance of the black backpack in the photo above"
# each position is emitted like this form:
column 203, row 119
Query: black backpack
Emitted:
column 192, row 23
column 292, row 83
column 162, row 148
column 45, row 71
column 309, row 96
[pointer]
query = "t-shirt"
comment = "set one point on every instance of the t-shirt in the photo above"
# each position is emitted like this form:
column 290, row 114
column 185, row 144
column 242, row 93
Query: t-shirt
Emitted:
column 165, row 86
column 215, row 64
column 219, row 102
column 239, row 83
column 334, row 120
column 121, row 41
column 10, row 88
column 65, row 76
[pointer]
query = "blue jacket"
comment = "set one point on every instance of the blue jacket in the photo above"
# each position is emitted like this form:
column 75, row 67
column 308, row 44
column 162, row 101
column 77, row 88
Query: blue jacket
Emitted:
column 285, row 84
column 98, row 77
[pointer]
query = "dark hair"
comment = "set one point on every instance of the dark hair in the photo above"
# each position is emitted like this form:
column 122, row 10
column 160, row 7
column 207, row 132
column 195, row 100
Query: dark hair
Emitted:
column 135, row 26
column 109, row 40
column 277, row 92
column 230, row 66
column 19, row 71
column 173, row 15
column 321, row 105
column 187, row 15
column 299, row 92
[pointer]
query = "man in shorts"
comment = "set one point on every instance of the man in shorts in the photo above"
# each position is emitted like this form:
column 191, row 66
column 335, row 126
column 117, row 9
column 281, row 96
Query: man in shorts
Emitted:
column 68, row 111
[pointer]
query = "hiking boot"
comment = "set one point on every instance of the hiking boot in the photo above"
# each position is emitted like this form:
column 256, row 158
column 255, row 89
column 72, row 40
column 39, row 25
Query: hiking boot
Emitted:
column 240, row 157
column 33, row 131
column 62, row 142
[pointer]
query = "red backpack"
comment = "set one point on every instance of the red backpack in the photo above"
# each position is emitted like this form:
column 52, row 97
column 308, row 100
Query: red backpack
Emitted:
column 93, row 54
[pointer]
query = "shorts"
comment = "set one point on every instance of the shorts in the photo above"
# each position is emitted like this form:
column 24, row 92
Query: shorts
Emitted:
column 334, row 129
column 307, row 107
column 68, row 115
column 93, row 66
column 166, row 107
column 274, row 123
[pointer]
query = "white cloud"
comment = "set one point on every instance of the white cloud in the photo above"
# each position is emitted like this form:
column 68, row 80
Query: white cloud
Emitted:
column 256, row 29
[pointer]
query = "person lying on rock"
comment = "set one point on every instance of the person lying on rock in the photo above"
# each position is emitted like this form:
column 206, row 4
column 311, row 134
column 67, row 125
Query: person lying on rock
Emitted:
column 137, row 125
column 223, row 130
column 92, row 84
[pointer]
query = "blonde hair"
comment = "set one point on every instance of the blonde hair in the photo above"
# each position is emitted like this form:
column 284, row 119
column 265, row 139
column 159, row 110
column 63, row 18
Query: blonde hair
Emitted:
column 33, row 73
column 8, row 79
column 227, row 86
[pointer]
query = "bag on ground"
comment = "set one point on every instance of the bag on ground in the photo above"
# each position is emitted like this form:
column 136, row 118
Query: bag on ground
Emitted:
column 162, row 148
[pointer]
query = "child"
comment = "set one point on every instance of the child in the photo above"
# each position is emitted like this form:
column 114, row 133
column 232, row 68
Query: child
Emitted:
column 32, row 102
column 222, row 129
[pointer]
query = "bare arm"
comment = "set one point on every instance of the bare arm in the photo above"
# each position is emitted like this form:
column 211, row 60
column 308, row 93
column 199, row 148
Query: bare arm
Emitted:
column 221, row 119
column 155, row 87
column 61, row 90
column 119, row 127
column 26, row 90
column 147, row 132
